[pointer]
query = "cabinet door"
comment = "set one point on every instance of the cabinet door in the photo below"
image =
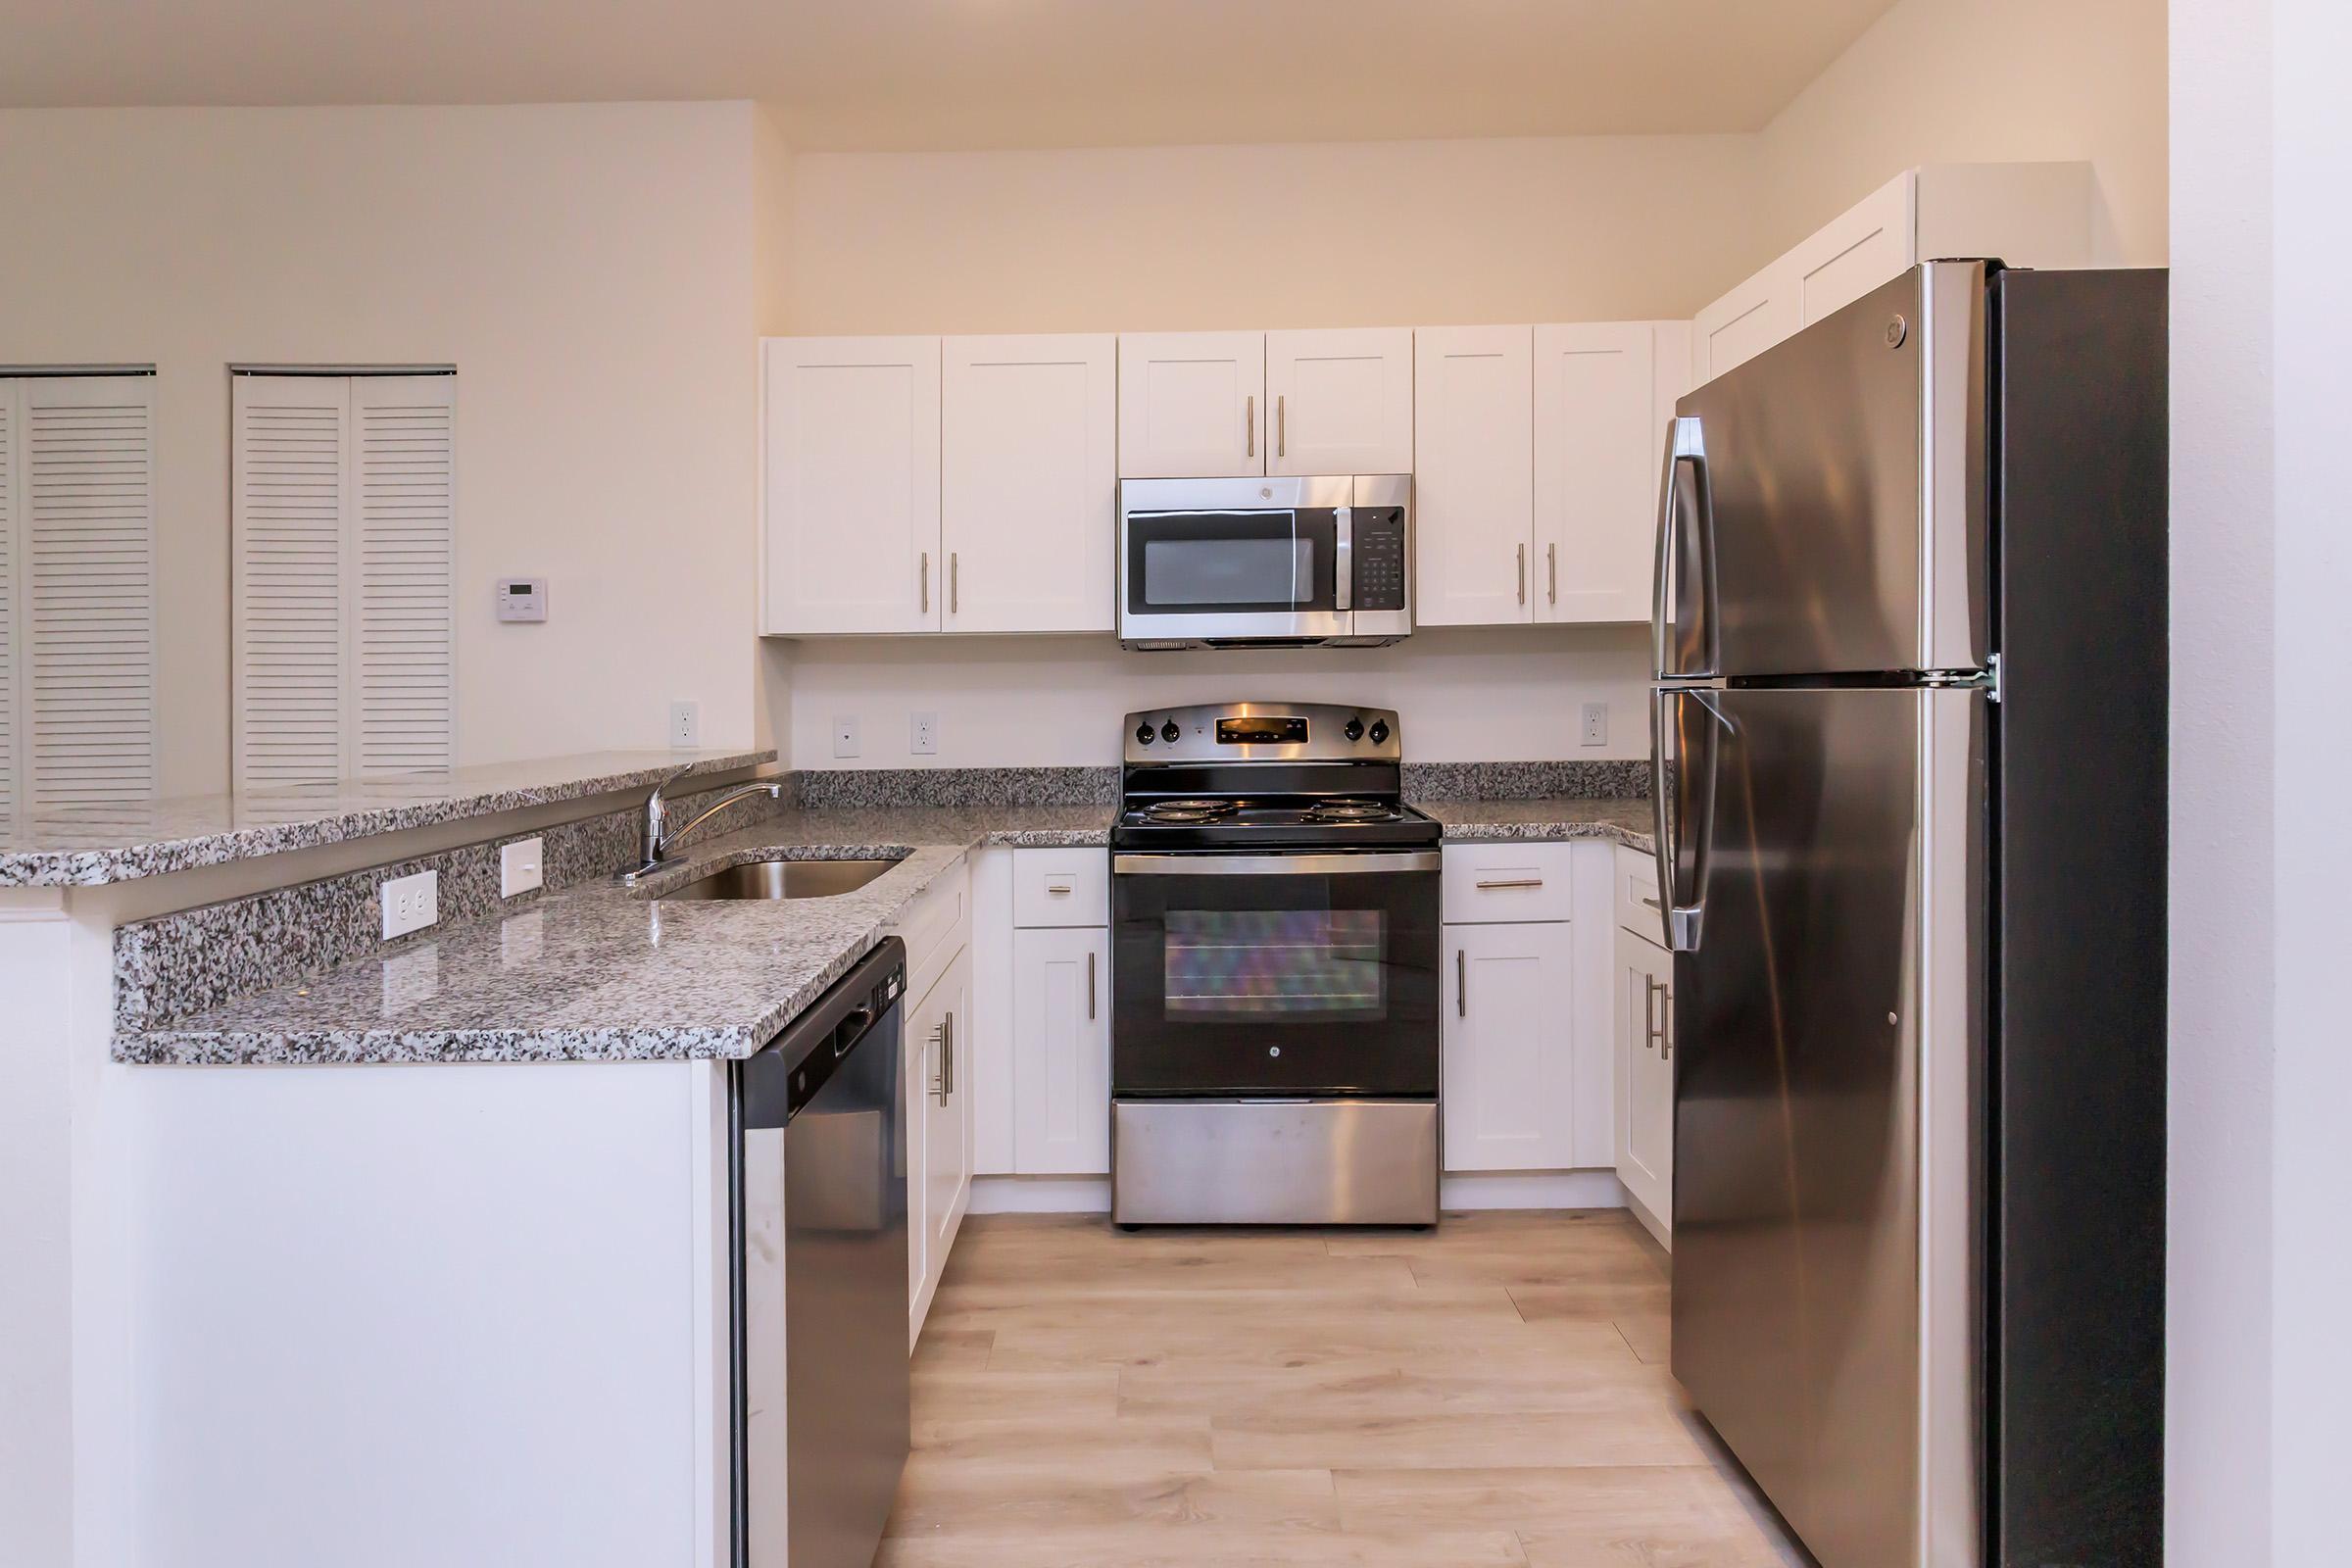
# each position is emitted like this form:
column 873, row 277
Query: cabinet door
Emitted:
column 1029, row 482
column 850, row 482
column 920, row 1052
column 1473, row 481
column 1061, row 1052
column 1343, row 400
column 947, row 1112
column 1192, row 405
column 1864, row 246
column 1509, row 1085
column 1597, row 456
column 1644, row 1007
column 1744, row 323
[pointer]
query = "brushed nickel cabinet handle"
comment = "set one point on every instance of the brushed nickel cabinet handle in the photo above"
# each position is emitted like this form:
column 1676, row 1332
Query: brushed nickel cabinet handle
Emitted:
column 1282, row 424
column 1461, row 983
column 1666, row 1026
column 948, row 1067
column 1510, row 882
column 1647, row 904
column 1650, row 1011
column 954, row 584
column 1090, row 985
column 925, row 580
column 1551, row 571
column 1523, row 574
column 939, row 1079
column 1250, row 426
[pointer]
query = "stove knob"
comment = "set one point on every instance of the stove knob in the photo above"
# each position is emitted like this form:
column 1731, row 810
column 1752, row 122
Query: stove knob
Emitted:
column 1379, row 730
column 1169, row 732
column 1354, row 730
column 1143, row 733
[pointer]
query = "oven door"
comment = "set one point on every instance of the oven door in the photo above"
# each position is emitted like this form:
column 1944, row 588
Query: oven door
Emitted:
column 1231, row 560
column 1282, row 975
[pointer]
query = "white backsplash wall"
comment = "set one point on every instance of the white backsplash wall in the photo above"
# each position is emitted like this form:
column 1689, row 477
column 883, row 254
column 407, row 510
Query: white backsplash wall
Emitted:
column 1464, row 695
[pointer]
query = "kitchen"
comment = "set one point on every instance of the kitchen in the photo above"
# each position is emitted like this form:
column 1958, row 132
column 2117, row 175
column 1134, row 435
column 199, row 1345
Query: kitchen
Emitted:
column 873, row 442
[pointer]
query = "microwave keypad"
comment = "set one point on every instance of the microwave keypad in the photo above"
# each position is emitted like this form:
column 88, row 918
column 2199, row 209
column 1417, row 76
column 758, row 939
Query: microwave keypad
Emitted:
column 1380, row 558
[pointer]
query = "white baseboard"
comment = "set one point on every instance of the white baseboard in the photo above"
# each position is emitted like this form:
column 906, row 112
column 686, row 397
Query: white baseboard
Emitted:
column 1510, row 1189
column 1532, row 1188
column 1040, row 1194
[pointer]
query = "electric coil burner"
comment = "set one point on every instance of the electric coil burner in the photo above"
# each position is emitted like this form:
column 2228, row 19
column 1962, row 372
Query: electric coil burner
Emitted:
column 1274, row 1020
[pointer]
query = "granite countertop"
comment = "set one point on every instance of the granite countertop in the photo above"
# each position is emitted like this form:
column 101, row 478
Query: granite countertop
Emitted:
column 599, row 973
column 1618, row 820
column 91, row 847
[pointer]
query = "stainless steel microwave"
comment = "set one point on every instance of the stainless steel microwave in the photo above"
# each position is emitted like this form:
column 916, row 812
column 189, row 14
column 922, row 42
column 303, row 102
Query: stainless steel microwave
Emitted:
column 1256, row 563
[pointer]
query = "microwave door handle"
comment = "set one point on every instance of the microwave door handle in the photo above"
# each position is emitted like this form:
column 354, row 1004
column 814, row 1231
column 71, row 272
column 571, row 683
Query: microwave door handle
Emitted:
column 1342, row 558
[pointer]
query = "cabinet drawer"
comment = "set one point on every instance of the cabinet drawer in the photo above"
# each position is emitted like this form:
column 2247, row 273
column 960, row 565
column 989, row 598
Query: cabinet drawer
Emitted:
column 1637, row 896
column 1485, row 883
column 1060, row 887
column 938, row 923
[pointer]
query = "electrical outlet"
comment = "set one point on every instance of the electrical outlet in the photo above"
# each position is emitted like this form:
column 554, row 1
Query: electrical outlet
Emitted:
column 845, row 735
column 1596, row 723
column 410, row 903
column 517, row 867
column 924, row 741
column 685, row 725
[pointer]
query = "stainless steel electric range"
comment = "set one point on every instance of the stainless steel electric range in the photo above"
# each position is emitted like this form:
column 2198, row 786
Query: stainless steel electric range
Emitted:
column 1274, row 963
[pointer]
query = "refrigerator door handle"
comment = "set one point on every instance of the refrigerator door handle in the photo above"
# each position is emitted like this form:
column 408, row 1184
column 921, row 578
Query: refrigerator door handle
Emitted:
column 1681, row 918
column 1685, row 444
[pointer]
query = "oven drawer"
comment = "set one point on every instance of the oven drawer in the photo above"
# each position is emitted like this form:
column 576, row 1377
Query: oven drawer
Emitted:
column 1489, row 883
column 1060, row 887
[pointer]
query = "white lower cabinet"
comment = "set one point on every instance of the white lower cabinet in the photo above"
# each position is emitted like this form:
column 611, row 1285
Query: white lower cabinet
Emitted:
column 1509, row 1038
column 938, row 1142
column 1645, row 1013
column 1061, row 1052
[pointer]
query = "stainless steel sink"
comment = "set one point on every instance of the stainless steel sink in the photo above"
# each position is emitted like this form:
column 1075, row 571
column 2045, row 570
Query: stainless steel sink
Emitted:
column 785, row 879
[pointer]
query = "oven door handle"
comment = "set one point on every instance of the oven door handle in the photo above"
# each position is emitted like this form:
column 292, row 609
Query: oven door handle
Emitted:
column 1352, row 864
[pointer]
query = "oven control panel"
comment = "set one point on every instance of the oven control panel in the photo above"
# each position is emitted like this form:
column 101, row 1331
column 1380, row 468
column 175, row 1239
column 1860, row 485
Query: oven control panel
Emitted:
column 1263, row 732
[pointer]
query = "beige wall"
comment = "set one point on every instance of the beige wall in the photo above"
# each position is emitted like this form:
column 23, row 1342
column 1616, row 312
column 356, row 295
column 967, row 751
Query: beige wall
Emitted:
column 588, row 268
column 1947, row 82
column 1171, row 238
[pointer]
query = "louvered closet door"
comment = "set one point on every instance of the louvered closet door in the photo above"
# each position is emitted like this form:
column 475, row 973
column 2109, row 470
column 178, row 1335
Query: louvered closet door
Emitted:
column 403, row 699
column 86, row 595
column 288, row 501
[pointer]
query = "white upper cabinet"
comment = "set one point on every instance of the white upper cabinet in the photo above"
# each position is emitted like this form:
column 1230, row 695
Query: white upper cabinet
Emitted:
column 1603, row 393
column 2028, row 215
column 1029, row 482
column 1473, row 496
column 1343, row 400
column 1192, row 405
column 851, row 482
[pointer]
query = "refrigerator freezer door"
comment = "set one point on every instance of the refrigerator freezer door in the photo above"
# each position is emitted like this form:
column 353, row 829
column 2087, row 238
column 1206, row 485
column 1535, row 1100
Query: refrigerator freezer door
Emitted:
column 1825, row 1026
column 1823, row 510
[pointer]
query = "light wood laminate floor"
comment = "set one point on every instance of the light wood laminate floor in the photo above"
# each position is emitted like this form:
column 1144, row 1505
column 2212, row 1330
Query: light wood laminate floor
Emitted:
column 1491, row 1391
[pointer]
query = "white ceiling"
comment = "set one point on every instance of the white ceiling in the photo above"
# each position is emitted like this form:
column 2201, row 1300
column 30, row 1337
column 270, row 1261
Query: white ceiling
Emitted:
column 902, row 74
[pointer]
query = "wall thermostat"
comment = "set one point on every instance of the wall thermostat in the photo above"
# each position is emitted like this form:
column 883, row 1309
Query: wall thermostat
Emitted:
column 522, row 598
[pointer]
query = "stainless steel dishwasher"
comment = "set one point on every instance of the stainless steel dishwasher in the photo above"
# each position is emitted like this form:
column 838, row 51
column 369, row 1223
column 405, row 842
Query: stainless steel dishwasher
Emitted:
column 820, row 1228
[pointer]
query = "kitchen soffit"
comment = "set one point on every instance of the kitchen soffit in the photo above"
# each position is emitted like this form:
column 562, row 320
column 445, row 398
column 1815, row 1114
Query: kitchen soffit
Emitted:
column 956, row 73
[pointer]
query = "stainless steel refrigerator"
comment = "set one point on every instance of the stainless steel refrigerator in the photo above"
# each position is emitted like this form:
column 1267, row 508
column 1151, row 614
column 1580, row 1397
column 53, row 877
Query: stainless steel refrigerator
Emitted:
column 1909, row 743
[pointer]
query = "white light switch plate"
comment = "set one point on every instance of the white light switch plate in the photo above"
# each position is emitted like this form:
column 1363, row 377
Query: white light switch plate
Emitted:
column 518, row 868
column 410, row 903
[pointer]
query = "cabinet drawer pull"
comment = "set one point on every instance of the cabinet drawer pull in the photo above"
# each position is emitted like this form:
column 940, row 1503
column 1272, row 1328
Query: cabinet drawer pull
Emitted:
column 1059, row 890
column 1509, row 882
column 1250, row 426
column 1461, row 983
